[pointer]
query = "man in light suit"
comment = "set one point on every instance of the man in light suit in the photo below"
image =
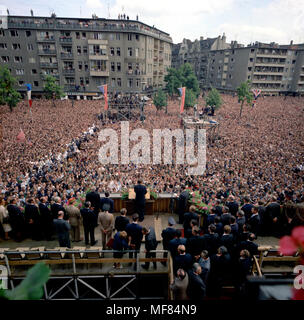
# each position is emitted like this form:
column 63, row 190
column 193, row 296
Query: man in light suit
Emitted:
column 180, row 285
column 106, row 222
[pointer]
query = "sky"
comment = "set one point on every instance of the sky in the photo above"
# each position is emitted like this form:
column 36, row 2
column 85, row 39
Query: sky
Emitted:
column 245, row 21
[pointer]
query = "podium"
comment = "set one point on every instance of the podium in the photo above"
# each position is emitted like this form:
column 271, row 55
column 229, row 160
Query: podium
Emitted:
column 132, row 194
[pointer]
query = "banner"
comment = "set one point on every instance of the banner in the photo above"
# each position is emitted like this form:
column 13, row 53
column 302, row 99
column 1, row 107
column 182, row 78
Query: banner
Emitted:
column 29, row 94
column 104, row 90
column 182, row 92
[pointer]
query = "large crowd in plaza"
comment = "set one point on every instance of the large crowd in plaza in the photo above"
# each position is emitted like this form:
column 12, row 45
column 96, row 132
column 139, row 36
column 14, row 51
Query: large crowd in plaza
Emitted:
column 255, row 165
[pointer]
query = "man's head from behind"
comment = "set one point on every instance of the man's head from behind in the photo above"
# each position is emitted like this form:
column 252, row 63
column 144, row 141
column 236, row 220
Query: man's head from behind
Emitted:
column 181, row 249
column 123, row 211
column 135, row 217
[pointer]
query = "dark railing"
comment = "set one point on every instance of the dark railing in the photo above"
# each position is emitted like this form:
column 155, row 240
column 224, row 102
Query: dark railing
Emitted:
column 66, row 55
column 46, row 39
column 48, row 65
column 68, row 71
column 47, row 51
column 66, row 40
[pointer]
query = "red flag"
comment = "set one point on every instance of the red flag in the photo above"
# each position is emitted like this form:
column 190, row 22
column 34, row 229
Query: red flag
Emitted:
column 106, row 97
column 182, row 92
column 21, row 136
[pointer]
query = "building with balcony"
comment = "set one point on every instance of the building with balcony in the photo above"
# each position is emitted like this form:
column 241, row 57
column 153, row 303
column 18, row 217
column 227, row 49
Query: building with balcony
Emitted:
column 83, row 54
column 275, row 69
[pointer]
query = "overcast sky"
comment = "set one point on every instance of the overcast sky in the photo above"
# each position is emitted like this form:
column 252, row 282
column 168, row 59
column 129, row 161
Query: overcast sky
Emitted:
column 242, row 20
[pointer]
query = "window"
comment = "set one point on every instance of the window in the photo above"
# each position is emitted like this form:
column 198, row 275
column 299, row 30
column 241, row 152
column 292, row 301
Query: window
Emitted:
column 77, row 35
column 136, row 52
column 85, row 50
column 79, row 50
column 113, row 80
column 118, row 67
column 34, row 71
column 16, row 46
column 21, row 83
column 118, row 82
column 28, row 33
column 113, row 66
column 112, row 51
column 118, row 51
column 19, row 72
column 84, row 35
column 137, row 83
column 3, row 46
column 14, row 33
column 36, row 84
column 252, row 50
column 86, row 66
column 130, row 83
column 18, row 59
column 249, row 68
column 293, row 61
column 111, row 36
column 87, row 81
column 80, row 65
column 232, row 60
column 98, row 36
column 30, row 47
column 1, row 33
column 129, row 36
column 117, row 36
column 81, row 81
column 130, row 52
column 137, row 37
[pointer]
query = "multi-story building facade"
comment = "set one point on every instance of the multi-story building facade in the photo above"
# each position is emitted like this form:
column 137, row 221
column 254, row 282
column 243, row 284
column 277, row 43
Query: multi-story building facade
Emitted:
column 197, row 53
column 271, row 67
column 82, row 54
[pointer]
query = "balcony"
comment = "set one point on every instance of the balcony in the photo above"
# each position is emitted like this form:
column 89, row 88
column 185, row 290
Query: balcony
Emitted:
column 265, row 81
column 66, row 55
column 98, row 56
column 68, row 71
column 70, row 87
column 46, row 39
column 48, row 65
column 135, row 73
column 265, row 73
column 45, row 52
column 99, row 73
column 66, row 40
column 44, row 75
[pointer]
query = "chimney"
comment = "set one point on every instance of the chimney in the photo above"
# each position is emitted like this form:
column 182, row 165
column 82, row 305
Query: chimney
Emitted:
column 201, row 38
column 291, row 42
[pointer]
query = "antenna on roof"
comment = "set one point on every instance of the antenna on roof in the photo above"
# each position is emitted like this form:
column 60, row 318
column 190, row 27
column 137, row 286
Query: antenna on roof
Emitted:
column 32, row 13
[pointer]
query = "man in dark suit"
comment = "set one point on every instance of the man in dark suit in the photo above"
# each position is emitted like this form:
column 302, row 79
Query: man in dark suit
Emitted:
column 16, row 219
column 273, row 210
column 122, row 221
column 254, row 221
column 107, row 200
column 89, row 223
column 226, row 216
column 182, row 204
column 219, row 226
column 211, row 240
column 32, row 220
column 150, row 245
column 211, row 217
column 140, row 200
column 240, row 220
column 134, row 231
column 174, row 243
column 167, row 235
column 183, row 260
column 227, row 240
column 197, row 287
column 56, row 207
column 249, row 245
column 94, row 198
column 195, row 244
column 62, row 229
column 232, row 205
column 46, row 219
column 247, row 207
column 191, row 215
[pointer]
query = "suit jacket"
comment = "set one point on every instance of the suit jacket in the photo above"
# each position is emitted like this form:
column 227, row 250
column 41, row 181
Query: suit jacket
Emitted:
column 74, row 215
column 179, row 288
column 167, row 235
column 106, row 221
column 134, row 231
column 55, row 208
column 197, row 287
column 233, row 207
column 228, row 242
column 108, row 201
column 174, row 243
column 94, row 198
column 62, row 229
column 45, row 213
column 247, row 210
column 212, row 243
column 250, row 246
column 150, row 240
column 16, row 217
column 88, row 218
column 273, row 210
column 195, row 245
column 140, row 191
column 225, row 219
column 121, row 223
column 183, row 261
column 183, row 201
column 187, row 219
column 31, row 212
column 254, row 222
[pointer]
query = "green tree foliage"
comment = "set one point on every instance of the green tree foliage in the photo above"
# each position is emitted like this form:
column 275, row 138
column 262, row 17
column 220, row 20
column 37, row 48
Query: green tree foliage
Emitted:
column 190, row 99
column 52, row 89
column 214, row 98
column 182, row 77
column 8, row 95
column 31, row 288
column 244, row 94
column 160, row 100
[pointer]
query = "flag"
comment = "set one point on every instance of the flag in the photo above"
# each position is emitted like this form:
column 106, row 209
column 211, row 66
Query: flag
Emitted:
column 29, row 94
column 182, row 92
column 21, row 136
column 104, row 91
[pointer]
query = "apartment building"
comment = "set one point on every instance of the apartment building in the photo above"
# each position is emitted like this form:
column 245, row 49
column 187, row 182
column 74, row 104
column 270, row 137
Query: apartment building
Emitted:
column 273, row 68
column 82, row 54
column 197, row 53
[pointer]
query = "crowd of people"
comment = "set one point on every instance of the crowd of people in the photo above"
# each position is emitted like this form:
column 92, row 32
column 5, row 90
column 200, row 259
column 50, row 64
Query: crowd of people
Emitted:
column 259, row 156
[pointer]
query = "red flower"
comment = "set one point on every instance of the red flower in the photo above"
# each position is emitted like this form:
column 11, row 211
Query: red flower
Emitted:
column 290, row 245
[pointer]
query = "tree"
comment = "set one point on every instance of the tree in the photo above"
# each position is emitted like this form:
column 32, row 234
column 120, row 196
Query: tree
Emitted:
column 160, row 99
column 244, row 94
column 214, row 98
column 52, row 90
column 182, row 77
column 8, row 95
column 190, row 99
